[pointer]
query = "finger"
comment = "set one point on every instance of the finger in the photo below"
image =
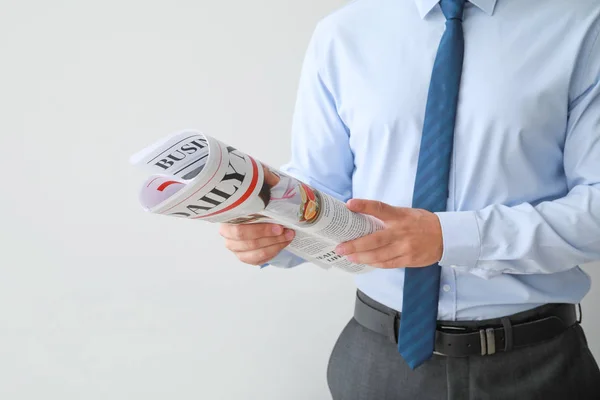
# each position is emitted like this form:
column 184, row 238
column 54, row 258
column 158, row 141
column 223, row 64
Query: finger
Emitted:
column 377, row 209
column 249, row 231
column 398, row 262
column 401, row 262
column 255, row 244
column 261, row 256
column 365, row 243
column 376, row 256
column 270, row 178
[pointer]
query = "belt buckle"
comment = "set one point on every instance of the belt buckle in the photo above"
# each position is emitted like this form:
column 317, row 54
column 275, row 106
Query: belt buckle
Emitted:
column 488, row 341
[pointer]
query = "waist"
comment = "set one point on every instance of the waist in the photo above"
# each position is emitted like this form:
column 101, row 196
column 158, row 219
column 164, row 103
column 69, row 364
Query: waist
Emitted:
column 532, row 314
column 467, row 338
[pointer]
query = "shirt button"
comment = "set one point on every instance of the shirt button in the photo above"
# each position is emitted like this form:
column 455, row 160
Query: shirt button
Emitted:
column 446, row 288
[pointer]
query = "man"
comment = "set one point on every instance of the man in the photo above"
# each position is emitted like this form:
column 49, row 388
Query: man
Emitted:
column 473, row 129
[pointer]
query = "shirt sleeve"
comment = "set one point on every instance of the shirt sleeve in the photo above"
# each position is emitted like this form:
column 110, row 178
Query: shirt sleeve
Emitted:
column 552, row 236
column 321, row 155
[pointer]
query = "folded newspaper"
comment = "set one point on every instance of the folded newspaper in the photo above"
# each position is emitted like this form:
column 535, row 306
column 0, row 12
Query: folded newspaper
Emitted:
column 195, row 176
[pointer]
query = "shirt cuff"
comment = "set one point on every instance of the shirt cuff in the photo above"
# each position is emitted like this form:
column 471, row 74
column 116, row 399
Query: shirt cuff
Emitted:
column 284, row 259
column 462, row 243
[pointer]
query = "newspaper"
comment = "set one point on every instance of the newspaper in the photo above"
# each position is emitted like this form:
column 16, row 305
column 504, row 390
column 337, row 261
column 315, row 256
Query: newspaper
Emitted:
column 195, row 176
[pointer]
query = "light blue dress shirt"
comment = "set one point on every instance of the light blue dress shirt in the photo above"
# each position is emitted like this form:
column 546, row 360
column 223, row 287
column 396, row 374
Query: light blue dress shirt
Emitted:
column 524, row 204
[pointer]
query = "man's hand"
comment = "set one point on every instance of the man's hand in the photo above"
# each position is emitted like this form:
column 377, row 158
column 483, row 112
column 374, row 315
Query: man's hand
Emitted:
column 256, row 244
column 411, row 238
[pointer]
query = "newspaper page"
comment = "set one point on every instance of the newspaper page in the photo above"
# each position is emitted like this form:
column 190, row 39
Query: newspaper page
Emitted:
column 195, row 176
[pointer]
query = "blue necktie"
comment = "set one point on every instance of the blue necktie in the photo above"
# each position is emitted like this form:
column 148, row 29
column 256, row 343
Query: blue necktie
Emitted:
column 416, row 336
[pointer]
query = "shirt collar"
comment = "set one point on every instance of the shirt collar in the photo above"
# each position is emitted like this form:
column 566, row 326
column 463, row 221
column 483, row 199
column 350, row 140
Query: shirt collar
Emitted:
column 425, row 6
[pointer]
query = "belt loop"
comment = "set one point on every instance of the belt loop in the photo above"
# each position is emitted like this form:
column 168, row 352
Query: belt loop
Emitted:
column 392, row 330
column 508, row 334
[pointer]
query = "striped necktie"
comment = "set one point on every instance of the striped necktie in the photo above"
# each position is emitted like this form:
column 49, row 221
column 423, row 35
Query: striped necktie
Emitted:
column 416, row 336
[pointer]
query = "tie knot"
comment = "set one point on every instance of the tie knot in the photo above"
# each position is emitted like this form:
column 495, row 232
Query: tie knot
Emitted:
column 453, row 9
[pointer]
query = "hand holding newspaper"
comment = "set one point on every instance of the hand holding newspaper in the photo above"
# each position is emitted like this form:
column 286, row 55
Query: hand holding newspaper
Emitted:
column 198, row 177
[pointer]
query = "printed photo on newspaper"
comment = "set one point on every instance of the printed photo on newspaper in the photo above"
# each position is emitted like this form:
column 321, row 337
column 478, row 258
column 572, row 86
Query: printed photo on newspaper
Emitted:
column 195, row 176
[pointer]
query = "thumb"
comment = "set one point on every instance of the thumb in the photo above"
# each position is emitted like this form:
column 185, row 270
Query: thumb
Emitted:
column 377, row 209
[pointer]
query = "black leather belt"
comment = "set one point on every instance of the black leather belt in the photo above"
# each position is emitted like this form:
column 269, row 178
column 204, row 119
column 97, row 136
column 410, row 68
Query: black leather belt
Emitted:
column 469, row 338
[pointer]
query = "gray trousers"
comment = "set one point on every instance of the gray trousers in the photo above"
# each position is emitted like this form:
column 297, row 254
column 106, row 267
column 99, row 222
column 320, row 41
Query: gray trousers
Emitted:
column 365, row 365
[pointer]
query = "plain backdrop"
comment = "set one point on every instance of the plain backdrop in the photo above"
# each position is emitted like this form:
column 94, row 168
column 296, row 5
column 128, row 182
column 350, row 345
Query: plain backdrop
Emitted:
column 99, row 300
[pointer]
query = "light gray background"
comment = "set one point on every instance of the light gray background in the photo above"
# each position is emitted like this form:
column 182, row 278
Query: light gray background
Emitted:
column 99, row 300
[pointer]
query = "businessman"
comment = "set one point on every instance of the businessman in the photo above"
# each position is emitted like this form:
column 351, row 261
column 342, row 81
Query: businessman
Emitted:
column 472, row 129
